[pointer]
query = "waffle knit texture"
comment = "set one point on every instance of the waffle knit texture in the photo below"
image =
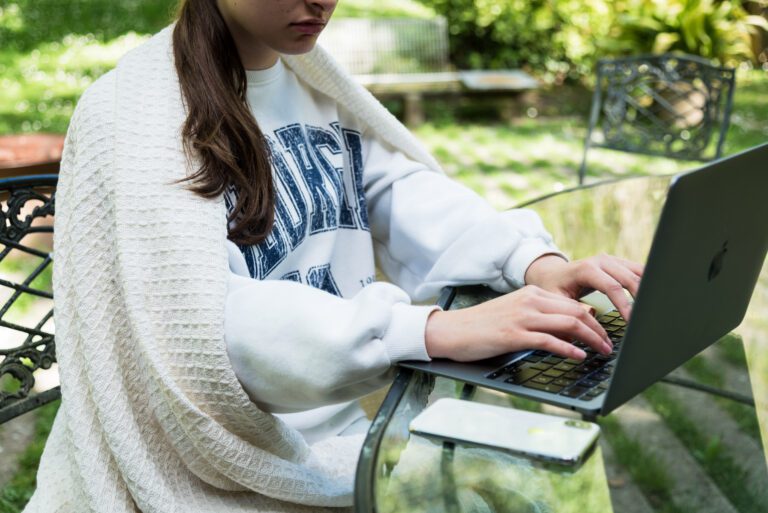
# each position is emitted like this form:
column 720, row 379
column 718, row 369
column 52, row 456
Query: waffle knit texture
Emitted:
column 153, row 418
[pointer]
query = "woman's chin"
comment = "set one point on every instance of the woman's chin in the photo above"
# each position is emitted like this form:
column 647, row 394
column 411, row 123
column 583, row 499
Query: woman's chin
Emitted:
column 303, row 45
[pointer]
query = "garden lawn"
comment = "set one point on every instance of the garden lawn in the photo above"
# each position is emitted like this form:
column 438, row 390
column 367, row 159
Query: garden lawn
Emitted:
column 509, row 163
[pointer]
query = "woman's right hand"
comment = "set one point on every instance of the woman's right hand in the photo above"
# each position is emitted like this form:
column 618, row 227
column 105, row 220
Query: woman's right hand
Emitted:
column 529, row 318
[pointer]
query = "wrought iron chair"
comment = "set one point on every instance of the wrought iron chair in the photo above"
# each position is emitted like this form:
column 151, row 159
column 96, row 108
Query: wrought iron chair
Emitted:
column 26, row 316
column 676, row 106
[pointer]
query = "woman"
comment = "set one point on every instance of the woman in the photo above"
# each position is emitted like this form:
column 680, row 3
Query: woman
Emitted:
column 222, row 195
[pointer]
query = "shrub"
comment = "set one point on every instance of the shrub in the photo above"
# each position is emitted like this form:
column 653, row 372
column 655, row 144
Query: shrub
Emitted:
column 562, row 39
column 718, row 30
column 555, row 40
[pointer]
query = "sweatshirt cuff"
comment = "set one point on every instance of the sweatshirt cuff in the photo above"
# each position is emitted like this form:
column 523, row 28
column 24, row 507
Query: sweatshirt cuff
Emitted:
column 404, row 338
column 529, row 250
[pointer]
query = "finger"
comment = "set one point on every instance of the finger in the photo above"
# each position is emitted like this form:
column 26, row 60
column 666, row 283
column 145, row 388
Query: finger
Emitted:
column 554, row 345
column 596, row 277
column 628, row 279
column 570, row 328
column 636, row 268
column 576, row 310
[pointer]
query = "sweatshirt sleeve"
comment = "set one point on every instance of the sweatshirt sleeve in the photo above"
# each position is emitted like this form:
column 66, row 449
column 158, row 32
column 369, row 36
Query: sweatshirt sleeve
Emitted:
column 294, row 347
column 430, row 231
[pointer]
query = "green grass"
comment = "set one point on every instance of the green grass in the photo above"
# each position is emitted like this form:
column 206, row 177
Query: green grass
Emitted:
column 509, row 163
column 731, row 349
column 708, row 451
column 17, row 492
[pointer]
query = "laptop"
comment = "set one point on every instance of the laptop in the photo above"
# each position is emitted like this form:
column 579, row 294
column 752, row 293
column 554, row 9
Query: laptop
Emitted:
column 707, row 252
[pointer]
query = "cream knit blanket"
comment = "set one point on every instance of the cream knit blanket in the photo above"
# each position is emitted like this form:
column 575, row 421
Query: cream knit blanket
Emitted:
column 153, row 418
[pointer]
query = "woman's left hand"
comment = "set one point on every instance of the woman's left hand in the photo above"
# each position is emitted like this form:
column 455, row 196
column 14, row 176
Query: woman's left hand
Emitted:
column 608, row 274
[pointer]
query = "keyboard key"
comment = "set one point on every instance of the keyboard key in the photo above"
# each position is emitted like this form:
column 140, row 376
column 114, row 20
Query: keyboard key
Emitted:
column 563, row 382
column 564, row 366
column 541, row 366
column 550, row 387
column 532, row 358
column 594, row 393
column 589, row 383
column 554, row 373
column 542, row 379
column 574, row 391
column 522, row 376
column 552, row 359
column 590, row 367
column 574, row 374
column 609, row 316
column 600, row 376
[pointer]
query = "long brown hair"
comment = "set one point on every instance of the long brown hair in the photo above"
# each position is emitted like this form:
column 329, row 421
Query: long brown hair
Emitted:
column 220, row 129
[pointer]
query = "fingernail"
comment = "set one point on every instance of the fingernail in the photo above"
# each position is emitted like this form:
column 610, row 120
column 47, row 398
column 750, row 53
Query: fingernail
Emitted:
column 607, row 348
column 578, row 354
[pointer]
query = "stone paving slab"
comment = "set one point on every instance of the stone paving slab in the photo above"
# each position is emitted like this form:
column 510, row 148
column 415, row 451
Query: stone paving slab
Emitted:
column 691, row 487
column 626, row 496
column 716, row 422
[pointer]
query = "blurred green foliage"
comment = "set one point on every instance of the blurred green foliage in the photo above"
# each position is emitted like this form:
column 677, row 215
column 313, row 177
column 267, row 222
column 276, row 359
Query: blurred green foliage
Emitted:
column 557, row 39
column 562, row 39
column 719, row 30
column 27, row 24
column 15, row 494
column 52, row 50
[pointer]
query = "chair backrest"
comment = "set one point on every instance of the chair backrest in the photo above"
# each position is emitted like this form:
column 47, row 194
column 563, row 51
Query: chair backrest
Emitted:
column 676, row 106
column 388, row 45
column 27, row 345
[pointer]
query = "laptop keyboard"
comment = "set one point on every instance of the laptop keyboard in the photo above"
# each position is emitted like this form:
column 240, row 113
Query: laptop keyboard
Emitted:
column 547, row 372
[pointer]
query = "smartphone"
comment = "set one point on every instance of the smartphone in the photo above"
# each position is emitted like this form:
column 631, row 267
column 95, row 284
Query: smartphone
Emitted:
column 538, row 436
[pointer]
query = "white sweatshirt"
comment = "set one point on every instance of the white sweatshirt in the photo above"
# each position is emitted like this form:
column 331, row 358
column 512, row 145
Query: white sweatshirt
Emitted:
column 308, row 328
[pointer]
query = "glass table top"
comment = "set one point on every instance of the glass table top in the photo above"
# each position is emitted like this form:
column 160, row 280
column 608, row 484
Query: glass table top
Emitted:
column 670, row 449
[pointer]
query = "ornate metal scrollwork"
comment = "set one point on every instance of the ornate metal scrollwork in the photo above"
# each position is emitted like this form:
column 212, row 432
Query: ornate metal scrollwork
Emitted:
column 664, row 105
column 25, row 202
column 15, row 225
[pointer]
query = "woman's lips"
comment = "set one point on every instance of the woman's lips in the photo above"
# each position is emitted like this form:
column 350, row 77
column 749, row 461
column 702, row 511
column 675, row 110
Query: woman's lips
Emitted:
column 309, row 27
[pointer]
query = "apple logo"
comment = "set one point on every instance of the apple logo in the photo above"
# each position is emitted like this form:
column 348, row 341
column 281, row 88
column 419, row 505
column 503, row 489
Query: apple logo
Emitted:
column 717, row 262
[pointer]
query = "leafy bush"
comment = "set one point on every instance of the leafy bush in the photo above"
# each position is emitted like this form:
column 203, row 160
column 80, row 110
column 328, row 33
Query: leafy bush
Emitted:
column 561, row 39
column 553, row 39
column 26, row 24
column 718, row 30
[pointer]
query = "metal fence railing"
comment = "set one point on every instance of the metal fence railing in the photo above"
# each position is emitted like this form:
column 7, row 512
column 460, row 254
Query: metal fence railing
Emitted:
column 397, row 45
